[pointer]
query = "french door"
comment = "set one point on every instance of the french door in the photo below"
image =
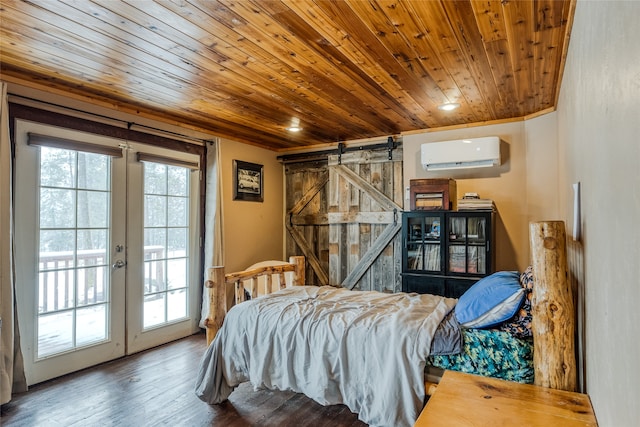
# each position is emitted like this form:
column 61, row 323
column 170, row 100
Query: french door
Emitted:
column 106, row 248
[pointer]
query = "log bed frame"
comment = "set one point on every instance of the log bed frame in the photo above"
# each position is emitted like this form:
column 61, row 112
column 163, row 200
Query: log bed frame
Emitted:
column 553, row 324
column 218, row 284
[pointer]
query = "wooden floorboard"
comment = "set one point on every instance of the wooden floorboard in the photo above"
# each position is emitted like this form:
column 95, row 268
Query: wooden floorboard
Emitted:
column 156, row 388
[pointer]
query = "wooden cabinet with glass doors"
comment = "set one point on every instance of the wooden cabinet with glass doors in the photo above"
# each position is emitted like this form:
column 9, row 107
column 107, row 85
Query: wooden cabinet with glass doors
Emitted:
column 445, row 252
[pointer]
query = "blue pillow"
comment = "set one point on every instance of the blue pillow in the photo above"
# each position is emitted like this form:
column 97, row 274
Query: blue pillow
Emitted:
column 490, row 301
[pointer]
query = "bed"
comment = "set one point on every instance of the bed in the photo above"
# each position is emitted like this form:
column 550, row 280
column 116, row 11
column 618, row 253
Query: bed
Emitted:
column 370, row 350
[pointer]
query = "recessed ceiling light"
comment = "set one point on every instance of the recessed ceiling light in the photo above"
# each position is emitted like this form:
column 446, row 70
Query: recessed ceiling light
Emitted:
column 449, row 106
column 295, row 125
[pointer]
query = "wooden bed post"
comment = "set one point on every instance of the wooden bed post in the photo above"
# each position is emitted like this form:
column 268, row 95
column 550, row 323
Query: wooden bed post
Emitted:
column 299, row 276
column 553, row 312
column 217, row 286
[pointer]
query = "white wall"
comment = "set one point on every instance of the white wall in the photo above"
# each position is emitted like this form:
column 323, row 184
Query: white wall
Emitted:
column 598, row 134
column 542, row 195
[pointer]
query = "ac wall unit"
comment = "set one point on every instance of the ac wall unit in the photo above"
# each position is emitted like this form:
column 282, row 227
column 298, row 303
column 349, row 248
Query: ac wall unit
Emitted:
column 461, row 153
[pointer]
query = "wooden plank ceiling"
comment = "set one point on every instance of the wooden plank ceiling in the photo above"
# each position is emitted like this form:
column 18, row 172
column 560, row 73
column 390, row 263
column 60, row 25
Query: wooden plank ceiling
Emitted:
column 247, row 69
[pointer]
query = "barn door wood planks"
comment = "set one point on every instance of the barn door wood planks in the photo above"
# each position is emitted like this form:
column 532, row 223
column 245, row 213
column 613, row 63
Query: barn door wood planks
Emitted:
column 344, row 216
column 306, row 217
column 365, row 206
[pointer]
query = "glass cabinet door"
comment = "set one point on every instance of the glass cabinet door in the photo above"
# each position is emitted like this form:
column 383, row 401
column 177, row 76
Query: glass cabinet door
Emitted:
column 423, row 243
column 467, row 249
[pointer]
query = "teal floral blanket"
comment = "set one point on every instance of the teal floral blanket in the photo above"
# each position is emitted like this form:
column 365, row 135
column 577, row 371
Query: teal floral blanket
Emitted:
column 491, row 353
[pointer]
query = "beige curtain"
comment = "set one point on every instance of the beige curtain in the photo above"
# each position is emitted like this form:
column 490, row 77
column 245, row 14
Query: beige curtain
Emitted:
column 213, row 240
column 12, row 377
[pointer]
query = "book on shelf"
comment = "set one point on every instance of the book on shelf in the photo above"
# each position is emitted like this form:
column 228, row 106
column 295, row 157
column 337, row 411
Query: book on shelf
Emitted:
column 471, row 201
column 470, row 259
column 431, row 256
column 417, row 260
column 457, row 257
column 432, row 259
column 475, row 229
column 429, row 201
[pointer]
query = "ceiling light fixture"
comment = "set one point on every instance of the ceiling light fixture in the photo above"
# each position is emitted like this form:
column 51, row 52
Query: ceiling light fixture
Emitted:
column 295, row 125
column 449, row 106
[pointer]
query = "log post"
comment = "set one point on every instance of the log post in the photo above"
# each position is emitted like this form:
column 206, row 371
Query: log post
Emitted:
column 254, row 287
column 268, row 283
column 553, row 324
column 217, row 301
column 298, row 261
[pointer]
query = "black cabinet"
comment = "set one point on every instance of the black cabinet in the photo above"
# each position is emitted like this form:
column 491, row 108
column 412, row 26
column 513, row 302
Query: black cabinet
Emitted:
column 445, row 252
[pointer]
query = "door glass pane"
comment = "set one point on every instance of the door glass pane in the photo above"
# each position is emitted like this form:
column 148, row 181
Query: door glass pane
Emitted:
column 93, row 209
column 177, row 242
column 177, row 269
column 55, row 245
column 73, row 240
column 155, row 178
column 92, row 247
column 91, row 326
column 154, row 242
column 56, row 289
column 57, row 167
column 178, row 181
column 57, row 208
column 154, row 275
column 166, row 225
column 155, row 211
column 154, row 310
column 91, row 168
column 177, row 211
column 177, row 304
column 54, row 333
column 91, row 287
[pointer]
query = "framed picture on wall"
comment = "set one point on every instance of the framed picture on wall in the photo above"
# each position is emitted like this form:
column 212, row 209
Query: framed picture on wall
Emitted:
column 248, row 181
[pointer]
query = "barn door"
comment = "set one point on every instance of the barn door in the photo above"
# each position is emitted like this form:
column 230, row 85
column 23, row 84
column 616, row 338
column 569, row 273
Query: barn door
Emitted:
column 306, row 217
column 365, row 206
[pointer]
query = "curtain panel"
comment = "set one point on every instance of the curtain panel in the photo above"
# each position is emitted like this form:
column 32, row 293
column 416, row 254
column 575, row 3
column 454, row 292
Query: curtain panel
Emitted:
column 213, row 238
column 12, row 378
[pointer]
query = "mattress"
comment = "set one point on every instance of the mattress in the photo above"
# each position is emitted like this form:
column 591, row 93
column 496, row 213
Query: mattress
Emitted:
column 491, row 353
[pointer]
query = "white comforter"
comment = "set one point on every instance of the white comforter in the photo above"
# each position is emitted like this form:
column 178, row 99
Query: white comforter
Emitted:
column 366, row 350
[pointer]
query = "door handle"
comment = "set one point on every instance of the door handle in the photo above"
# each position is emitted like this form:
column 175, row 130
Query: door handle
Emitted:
column 119, row 264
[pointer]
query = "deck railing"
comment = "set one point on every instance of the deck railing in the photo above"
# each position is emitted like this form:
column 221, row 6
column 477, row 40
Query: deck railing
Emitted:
column 83, row 277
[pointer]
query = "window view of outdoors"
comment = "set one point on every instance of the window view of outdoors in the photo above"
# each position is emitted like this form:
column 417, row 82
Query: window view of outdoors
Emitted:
column 73, row 292
column 166, row 222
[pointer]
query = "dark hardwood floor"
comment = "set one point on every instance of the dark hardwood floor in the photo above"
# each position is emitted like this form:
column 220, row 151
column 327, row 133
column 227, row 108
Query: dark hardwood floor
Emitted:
column 155, row 388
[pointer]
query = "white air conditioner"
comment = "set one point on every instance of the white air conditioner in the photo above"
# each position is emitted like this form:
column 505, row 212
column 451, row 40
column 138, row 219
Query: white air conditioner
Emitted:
column 461, row 153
